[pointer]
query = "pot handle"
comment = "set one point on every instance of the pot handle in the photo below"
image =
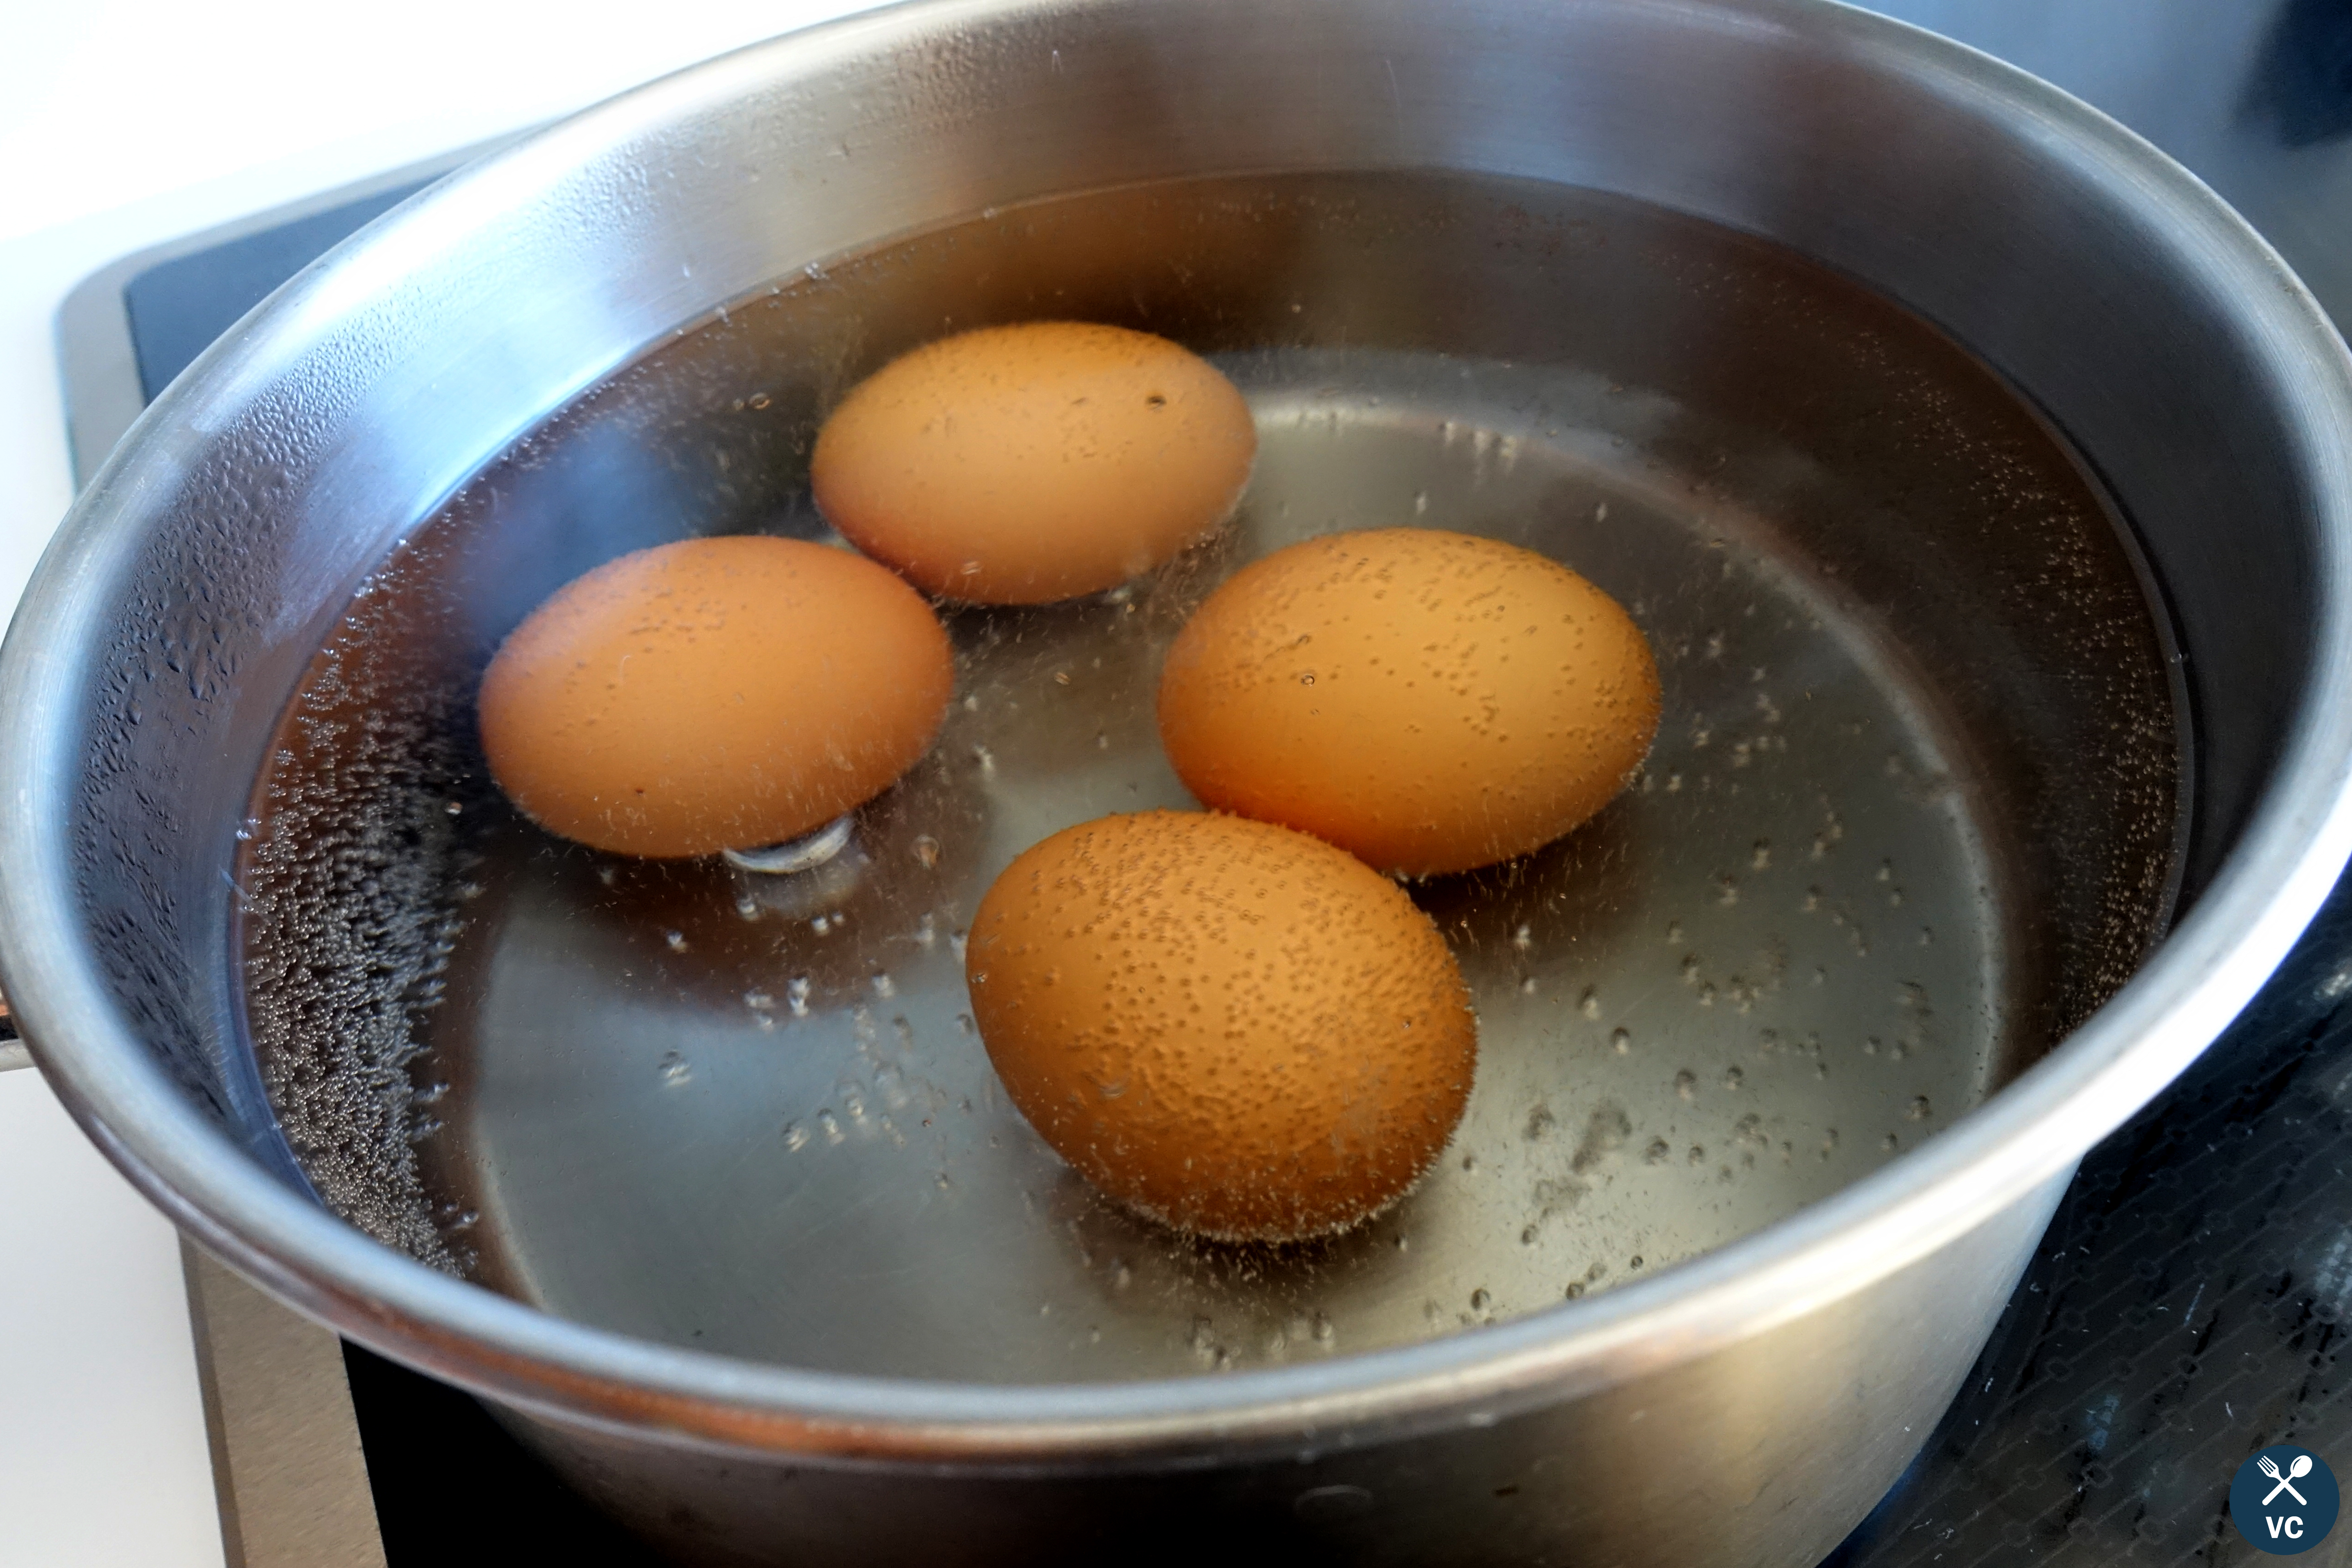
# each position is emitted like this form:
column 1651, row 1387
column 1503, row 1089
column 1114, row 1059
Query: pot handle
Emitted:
column 13, row 1053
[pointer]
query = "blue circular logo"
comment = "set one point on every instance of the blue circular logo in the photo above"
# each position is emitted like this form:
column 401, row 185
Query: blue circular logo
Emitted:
column 2284, row 1499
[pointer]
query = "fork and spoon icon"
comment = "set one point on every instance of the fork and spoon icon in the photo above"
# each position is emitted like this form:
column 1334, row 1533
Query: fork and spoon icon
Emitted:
column 2294, row 1472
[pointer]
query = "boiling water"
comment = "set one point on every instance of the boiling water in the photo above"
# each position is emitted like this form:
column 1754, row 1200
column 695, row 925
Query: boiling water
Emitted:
column 749, row 1113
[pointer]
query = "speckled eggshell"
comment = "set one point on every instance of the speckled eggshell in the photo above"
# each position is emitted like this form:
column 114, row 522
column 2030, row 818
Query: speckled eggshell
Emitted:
column 1032, row 463
column 714, row 694
column 1227, row 1026
column 1428, row 701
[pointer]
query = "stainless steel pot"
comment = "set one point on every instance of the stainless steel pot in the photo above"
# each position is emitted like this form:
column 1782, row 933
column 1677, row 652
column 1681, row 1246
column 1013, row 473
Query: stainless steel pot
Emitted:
column 1746, row 1406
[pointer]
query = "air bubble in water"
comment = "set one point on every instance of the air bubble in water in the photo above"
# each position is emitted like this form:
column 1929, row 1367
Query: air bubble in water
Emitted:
column 799, row 855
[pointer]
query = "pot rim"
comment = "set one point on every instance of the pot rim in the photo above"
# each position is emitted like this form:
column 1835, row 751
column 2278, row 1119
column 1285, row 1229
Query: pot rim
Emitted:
column 2024, row 1138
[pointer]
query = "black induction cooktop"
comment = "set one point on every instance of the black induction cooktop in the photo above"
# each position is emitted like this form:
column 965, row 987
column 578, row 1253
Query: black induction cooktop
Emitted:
column 2191, row 1304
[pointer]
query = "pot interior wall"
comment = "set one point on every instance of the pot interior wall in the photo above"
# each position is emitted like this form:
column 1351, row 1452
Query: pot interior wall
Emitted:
column 1915, row 810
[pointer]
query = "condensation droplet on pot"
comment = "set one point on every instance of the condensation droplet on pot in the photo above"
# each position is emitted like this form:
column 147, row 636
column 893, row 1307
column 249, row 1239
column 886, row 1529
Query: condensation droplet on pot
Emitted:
column 796, row 1137
column 1621, row 1041
column 675, row 1069
column 926, row 851
column 1919, row 1110
column 1686, row 1084
column 674, row 940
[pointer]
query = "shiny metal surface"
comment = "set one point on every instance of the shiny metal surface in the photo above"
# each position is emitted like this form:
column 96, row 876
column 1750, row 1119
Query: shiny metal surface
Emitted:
column 2253, row 97
column 1754, row 1400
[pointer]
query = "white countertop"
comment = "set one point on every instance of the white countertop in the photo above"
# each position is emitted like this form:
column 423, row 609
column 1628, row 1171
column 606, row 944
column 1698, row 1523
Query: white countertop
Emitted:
column 124, row 123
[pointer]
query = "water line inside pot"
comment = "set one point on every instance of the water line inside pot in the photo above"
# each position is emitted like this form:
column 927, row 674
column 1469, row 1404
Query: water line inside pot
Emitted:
column 1912, row 812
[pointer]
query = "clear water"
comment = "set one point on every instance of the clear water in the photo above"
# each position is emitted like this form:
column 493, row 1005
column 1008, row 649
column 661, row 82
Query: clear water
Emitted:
column 749, row 1113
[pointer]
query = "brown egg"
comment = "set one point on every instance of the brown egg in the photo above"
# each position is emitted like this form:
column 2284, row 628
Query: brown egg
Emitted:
column 714, row 694
column 1229, row 1026
column 1023, row 464
column 1428, row 701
